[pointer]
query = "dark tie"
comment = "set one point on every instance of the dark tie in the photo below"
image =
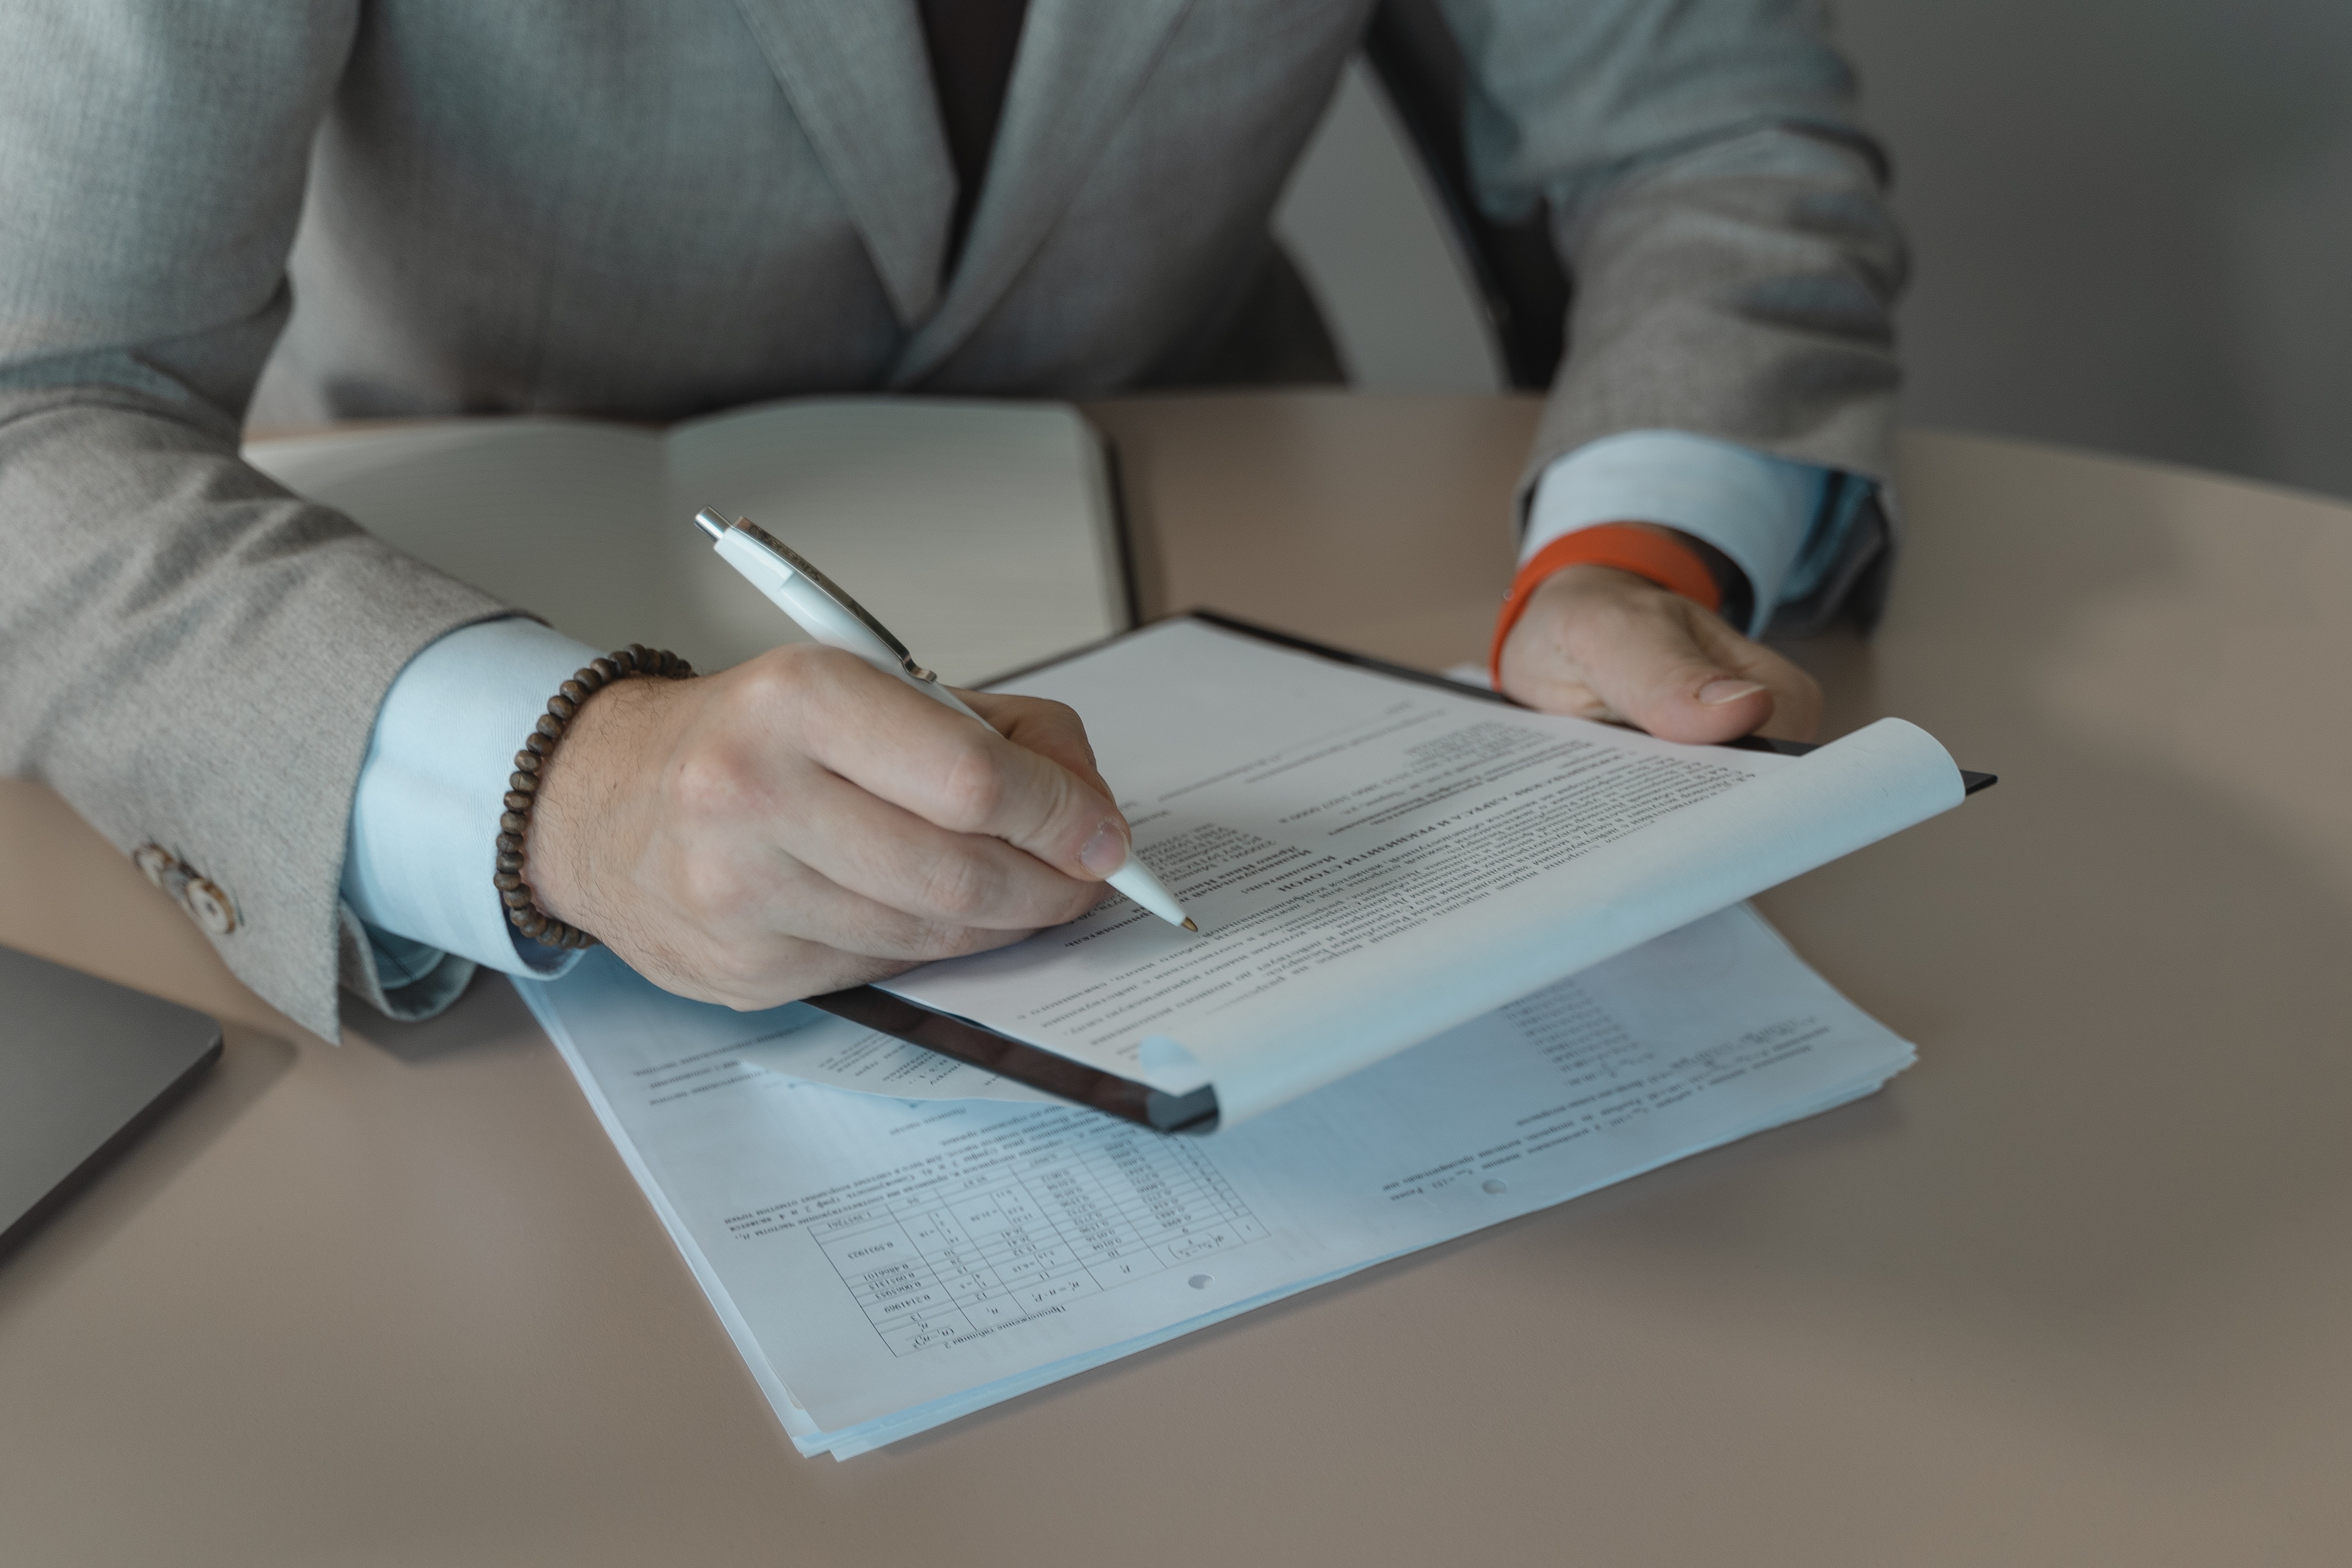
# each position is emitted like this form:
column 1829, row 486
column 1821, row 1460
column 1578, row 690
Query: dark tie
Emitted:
column 971, row 44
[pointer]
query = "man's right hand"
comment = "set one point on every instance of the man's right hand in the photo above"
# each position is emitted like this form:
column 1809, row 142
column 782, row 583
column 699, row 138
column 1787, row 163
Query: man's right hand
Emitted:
column 804, row 821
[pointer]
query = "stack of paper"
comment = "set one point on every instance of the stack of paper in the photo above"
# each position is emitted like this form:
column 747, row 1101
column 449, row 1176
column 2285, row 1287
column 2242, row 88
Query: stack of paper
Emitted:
column 888, row 1261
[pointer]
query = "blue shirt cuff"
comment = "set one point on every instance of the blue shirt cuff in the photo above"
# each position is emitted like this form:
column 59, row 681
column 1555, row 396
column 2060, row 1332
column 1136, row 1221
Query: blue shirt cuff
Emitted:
column 1758, row 511
column 417, row 865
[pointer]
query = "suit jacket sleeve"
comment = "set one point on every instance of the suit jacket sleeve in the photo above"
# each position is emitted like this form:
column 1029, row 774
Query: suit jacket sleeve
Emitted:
column 194, row 656
column 1718, row 211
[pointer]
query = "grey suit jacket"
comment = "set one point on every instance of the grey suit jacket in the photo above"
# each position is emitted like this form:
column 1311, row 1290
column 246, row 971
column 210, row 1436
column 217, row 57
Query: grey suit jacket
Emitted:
column 650, row 208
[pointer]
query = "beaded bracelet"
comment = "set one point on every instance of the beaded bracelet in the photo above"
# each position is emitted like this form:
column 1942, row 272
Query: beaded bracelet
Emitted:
column 522, row 784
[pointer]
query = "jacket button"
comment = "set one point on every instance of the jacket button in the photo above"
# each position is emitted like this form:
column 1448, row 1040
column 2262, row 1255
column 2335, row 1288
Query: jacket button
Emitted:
column 210, row 905
column 156, row 862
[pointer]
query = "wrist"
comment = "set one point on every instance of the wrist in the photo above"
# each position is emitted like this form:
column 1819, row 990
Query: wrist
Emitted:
column 575, row 790
column 1732, row 598
column 1655, row 554
column 585, row 798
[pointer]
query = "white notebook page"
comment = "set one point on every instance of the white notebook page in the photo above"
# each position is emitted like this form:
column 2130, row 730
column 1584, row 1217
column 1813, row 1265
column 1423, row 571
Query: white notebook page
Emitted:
column 982, row 532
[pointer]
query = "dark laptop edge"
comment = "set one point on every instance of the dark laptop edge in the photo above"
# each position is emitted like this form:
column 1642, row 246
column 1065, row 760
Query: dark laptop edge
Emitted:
column 102, row 1155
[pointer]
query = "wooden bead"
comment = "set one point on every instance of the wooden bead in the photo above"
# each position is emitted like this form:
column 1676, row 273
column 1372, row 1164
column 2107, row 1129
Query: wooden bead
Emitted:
column 576, row 691
column 510, row 843
column 549, row 729
column 510, row 859
column 526, row 783
column 537, row 744
column 515, row 897
column 514, row 822
column 518, row 803
column 606, row 668
column 533, row 922
column 505, row 881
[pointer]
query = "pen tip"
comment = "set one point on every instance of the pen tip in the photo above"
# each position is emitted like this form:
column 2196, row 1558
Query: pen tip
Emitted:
column 1190, row 926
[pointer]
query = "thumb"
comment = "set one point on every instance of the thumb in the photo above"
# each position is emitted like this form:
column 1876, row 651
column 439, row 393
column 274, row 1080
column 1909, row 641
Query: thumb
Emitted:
column 1671, row 667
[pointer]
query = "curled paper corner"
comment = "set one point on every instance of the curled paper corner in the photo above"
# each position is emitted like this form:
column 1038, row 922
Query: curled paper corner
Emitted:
column 1167, row 1066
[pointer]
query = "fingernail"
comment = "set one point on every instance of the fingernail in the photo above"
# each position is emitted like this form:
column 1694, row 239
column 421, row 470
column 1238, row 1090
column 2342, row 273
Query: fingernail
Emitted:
column 1106, row 851
column 1716, row 693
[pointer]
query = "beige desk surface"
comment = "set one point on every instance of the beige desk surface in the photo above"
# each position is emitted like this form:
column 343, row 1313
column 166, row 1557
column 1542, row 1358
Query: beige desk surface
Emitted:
column 2076, row 1290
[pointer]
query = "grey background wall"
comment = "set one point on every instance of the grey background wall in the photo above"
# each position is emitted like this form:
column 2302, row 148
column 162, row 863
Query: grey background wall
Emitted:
column 2132, row 221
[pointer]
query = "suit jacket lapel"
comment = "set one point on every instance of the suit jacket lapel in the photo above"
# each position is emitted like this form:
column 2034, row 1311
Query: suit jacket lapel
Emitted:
column 1080, row 64
column 860, row 84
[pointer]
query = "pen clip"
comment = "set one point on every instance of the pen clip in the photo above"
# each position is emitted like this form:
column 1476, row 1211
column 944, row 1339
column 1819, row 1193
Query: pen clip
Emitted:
column 836, row 593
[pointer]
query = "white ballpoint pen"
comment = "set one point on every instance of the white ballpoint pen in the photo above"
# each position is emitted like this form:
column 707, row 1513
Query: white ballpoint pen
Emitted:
column 819, row 607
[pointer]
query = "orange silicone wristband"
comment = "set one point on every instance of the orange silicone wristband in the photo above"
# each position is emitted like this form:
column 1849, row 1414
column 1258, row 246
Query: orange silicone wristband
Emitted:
column 1668, row 562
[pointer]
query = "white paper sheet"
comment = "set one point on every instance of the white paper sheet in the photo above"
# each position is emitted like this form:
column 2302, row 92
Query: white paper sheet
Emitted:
column 1373, row 860
column 886, row 1265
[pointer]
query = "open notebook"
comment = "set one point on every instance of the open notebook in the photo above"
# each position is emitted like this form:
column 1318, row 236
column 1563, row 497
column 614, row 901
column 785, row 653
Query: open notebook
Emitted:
column 986, row 528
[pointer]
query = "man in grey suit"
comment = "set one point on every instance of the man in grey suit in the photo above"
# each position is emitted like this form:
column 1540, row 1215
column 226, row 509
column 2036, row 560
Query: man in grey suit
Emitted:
column 646, row 209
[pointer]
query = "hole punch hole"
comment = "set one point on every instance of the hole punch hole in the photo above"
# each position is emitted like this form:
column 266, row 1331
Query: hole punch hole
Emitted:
column 1199, row 1281
column 1498, row 1184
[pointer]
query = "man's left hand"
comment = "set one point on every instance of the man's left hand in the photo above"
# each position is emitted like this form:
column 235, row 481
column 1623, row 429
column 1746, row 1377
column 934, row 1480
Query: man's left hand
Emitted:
column 1598, row 642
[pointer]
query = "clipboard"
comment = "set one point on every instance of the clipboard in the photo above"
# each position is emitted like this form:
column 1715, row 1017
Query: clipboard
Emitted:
column 976, row 1045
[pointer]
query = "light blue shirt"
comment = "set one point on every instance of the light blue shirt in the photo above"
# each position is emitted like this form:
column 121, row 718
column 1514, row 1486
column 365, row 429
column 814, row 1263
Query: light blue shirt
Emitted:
column 1770, row 515
column 425, row 818
column 426, row 814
